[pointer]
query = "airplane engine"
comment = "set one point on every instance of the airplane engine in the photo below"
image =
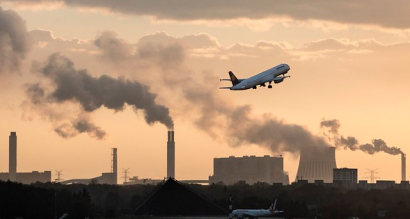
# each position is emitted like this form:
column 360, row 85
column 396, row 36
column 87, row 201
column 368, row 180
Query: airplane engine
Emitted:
column 277, row 81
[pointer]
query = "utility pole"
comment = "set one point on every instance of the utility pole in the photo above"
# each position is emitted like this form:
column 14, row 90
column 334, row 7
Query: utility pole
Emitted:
column 372, row 176
column 59, row 174
column 125, row 176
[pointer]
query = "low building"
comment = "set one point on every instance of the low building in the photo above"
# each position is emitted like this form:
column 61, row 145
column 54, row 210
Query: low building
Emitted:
column 344, row 175
column 29, row 177
column 137, row 181
column 250, row 169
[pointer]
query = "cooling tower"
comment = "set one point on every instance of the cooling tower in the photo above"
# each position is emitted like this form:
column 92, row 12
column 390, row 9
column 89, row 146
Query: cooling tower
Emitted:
column 317, row 164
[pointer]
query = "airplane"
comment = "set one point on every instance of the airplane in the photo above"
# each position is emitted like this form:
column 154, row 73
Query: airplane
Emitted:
column 254, row 213
column 275, row 74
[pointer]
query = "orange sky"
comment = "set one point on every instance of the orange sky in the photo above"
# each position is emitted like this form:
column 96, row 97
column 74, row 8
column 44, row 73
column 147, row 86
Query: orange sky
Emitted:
column 352, row 69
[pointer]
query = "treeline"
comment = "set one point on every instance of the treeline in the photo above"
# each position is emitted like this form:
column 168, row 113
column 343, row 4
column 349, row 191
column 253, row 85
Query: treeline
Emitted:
column 45, row 200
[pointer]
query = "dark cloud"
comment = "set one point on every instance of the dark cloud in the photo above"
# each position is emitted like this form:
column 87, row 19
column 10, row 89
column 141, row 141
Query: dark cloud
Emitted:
column 391, row 14
column 331, row 128
column 14, row 43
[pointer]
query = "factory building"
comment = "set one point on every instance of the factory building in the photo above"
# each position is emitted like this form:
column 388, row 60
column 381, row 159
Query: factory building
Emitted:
column 26, row 177
column 29, row 177
column 105, row 178
column 317, row 164
column 345, row 175
column 250, row 169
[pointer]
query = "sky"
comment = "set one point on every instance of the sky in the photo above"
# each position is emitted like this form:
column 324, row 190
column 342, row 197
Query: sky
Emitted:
column 78, row 78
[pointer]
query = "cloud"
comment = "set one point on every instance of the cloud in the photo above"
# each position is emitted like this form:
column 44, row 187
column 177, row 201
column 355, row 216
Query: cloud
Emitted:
column 14, row 41
column 392, row 14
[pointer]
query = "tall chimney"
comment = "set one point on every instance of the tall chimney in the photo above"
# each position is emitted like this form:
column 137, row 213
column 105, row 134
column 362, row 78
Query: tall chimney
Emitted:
column 171, row 155
column 114, row 163
column 403, row 167
column 12, row 156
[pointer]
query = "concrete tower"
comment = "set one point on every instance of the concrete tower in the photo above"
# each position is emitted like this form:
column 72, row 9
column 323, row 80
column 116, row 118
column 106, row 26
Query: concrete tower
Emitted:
column 317, row 164
column 403, row 167
column 171, row 155
column 114, row 164
column 12, row 156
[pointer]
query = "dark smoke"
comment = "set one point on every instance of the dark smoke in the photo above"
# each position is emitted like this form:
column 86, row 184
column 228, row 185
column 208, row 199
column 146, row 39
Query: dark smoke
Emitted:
column 331, row 128
column 71, row 85
column 14, row 43
column 67, row 130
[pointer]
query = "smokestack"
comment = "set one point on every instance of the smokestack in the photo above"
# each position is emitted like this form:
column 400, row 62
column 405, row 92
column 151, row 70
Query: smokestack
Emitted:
column 114, row 163
column 403, row 167
column 171, row 155
column 12, row 156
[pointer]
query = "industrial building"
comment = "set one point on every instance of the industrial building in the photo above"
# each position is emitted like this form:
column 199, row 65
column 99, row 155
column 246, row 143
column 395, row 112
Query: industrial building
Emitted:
column 171, row 155
column 27, row 177
column 345, row 175
column 317, row 164
column 105, row 178
column 250, row 169
column 135, row 180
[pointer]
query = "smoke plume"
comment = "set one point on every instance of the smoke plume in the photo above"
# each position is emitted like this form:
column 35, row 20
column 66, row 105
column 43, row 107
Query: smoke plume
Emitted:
column 331, row 130
column 14, row 43
column 91, row 93
column 200, row 99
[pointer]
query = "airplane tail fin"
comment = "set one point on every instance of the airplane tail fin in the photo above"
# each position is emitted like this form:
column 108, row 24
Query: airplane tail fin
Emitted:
column 234, row 79
column 272, row 208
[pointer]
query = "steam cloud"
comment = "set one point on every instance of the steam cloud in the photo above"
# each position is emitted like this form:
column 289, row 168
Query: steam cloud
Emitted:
column 331, row 130
column 71, row 85
column 14, row 43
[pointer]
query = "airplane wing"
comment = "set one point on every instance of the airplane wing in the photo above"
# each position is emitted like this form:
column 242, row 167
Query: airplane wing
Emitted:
column 225, row 88
column 226, row 79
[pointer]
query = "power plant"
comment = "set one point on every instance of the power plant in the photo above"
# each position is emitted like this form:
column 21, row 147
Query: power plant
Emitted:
column 13, row 175
column 317, row 164
column 171, row 155
column 251, row 169
column 105, row 178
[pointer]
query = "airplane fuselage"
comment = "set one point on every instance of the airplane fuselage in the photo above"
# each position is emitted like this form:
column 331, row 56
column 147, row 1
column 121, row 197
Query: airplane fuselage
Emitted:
column 251, row 213
column 263, row 77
